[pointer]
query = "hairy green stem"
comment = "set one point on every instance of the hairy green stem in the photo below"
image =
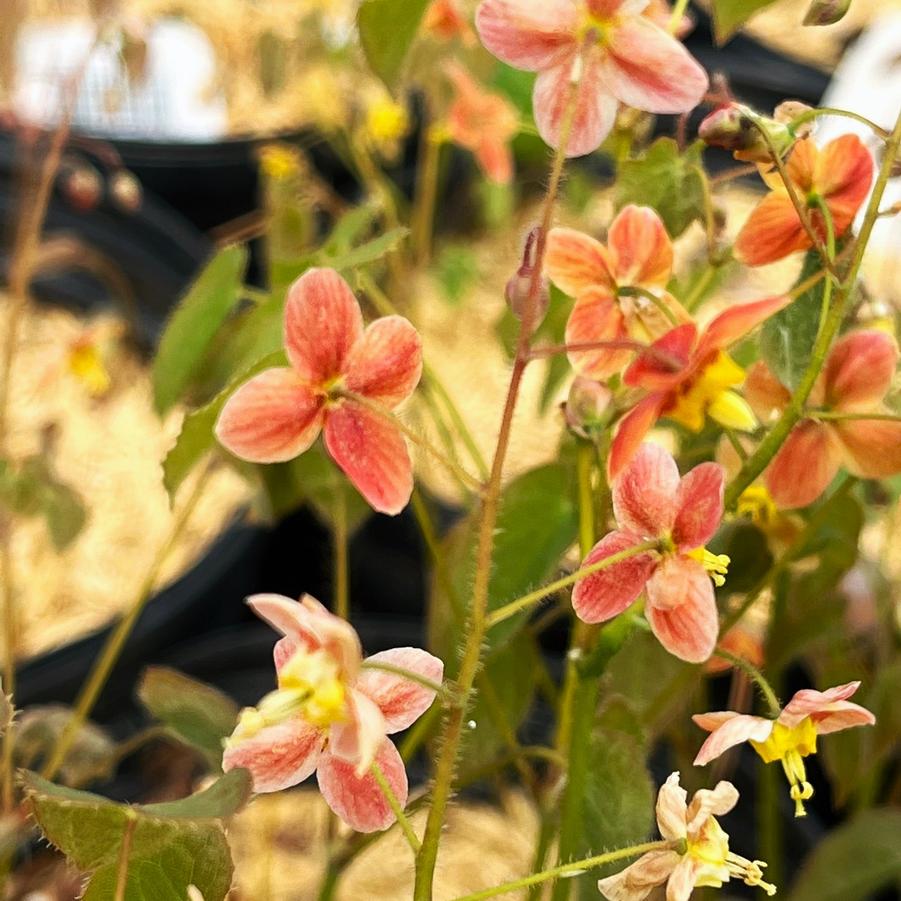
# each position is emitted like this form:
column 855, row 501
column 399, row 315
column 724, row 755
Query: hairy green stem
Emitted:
column 340, row 551
column 755, row 676
column 396, row 808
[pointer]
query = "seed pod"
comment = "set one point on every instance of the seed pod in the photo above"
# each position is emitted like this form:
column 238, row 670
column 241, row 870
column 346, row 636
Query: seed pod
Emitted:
column 826, row 12
column 519, row 287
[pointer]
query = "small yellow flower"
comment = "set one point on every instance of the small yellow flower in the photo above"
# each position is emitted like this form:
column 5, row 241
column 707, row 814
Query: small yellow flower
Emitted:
column 711, row 394
column 386, row 124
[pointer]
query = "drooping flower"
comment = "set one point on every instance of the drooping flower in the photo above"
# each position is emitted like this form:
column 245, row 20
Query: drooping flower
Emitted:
column 278, row 414
column 607, row 48
column 613, row 285
column 857, row 376
column 839, row 175
column 790, row 737
column 444, row 21
column 698, row 383
column 330, row 714
column 651, row 502
column 483, row 122
column 700, row 855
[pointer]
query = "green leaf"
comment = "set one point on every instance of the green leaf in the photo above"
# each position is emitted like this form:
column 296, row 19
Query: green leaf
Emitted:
column 196, row 436
column 854, row 861
column 193, row 325
column 730, row 15
column 666, row 180
column 788, row 337
column 387, row 29
column 198, row 714
column 748, row 551
column 172, row 846
column 368, row 252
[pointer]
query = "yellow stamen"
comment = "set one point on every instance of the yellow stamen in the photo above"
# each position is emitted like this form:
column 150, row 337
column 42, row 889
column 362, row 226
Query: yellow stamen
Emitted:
column 789, row 746
column 749, row 871
column 709, row 393
column 717, row 565
column 757, row 504
column 718, row 864
column 732, row 411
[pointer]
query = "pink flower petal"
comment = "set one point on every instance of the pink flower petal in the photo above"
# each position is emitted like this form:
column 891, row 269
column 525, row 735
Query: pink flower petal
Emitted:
column 496, row 160
column 641, row 247
column 804, row 466
column 706, row 802
column 738, row 728
column 322, row 323
column 595, row 108
column 772, row 232
column 373, row 454
column 638, row 879
column 842, row 715
column 278, row 756
column 284, row 650
column 608, row 592
column 809, row 702
column 528, row 34
column 645, row 493
column 711, row 721
column 596, row 317
column 358, row 800
column 682, row 609
column 767, row 396
column 271, row 418
column 575, row 261
column 386, row 363
column 699, row 506
column 872, row 447
column 860, row 369
column 649, row 69
column 672, row 808
column 684, row 878
column 631, row 432
column 401, row 701
column 357, row 739
column 844, row 173
column 733, row 324
column 655, row 374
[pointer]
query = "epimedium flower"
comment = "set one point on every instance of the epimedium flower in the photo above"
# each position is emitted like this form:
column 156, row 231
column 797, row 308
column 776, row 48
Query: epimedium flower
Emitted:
column 339, row 374
column 330, row 714
column 839, row 176
column 700, row 855
column 699, row 382
column 607, row 48
column 444, row 21
column 790, row 737
column 483, row 122
column 857, row 376
column 620, row 286
column 652, row 503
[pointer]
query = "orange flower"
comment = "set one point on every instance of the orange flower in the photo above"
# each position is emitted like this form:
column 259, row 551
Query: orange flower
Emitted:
column 444, row 21
column 839, row 175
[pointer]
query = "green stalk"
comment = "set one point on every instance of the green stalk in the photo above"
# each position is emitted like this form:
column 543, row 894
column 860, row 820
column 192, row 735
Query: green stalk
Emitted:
column 396, row 808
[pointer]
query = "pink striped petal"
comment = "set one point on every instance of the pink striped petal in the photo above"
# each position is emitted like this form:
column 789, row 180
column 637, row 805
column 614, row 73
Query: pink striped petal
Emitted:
column 386, row 363
column 631, row 432
column 641, row 248
column 608, row 592
column 638, row 879
column 649, row 69
column 401, row 701
column 272, row 418
column 322, row 323
column 872, row 447
column 357, row 739
column 733, row 324
column 284, row 650
column 672, row 808
column 860, row 369
column 372, row 452
column 699, row 506
column 645, row 494
column 278, row 756
column 654, row 373
column 596, row 317
column 843, row 715
column 575, row 261
column 771, row 232
column 528, row 34
column 358, row 800
column 595, row 108
column 810, row 702
column 682, row 609
column 738, row 728
column 804, row 466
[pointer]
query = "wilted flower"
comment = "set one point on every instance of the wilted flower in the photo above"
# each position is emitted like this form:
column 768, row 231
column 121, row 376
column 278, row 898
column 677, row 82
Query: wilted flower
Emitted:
column 606, row 49
column 700, row 856
column 698, row 384
column 857, row 376
column 278, row 414
column 331, row 714
column 651, row 502
column 790, row 737
column 614, row 285
column 732, row 127
column 839, row 175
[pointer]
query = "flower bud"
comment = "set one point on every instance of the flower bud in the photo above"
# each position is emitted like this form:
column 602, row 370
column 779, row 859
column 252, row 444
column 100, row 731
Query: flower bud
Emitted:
column 826, row 12
column 737, row 128
column 81, row 187
column 125, row 190
column 587, row 408
column 519, row 287
column 788, row 111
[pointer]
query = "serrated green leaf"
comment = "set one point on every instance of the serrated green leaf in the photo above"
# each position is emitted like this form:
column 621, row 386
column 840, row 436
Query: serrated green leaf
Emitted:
column 193, row 325
column 730, row 15
column 224, row 798
column 666, row 180
column 387, row 29
column 198, row 714
column 854, row 861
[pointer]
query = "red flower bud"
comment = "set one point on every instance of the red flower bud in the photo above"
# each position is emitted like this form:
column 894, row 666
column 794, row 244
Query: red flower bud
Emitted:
column 519, row 287
column 737, row 128
column 587, row 407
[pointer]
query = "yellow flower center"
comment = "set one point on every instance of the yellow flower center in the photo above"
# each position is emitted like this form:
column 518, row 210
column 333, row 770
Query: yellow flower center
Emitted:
column 710, row 849
column 790, row 746
column 757, row 504
column 717, row 565
column 709, row 394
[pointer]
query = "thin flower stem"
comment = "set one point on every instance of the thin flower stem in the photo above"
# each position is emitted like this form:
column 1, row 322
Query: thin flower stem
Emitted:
column 756, row 676
column 533, row 597
column 709, row 212
column 340, row 553
column 423, row 217
column 770, row 445
column 812, row 114
column 396, row 808
column 409, row 675
column 124, row 854
column 115, row 643
column 697, row 292
column 737, row 446
column 830, row 252
column 838, row 416
column 568, row 869
column 659, row 302
column 472, row 652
